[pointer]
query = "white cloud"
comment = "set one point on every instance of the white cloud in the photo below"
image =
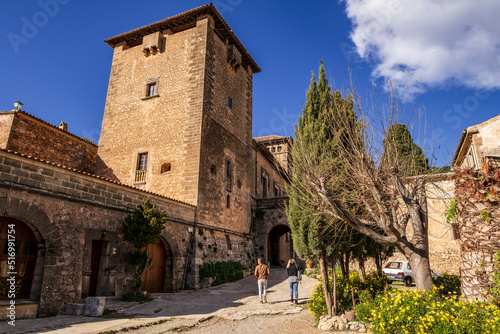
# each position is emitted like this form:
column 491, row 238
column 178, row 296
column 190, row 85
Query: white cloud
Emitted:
column 429, row 42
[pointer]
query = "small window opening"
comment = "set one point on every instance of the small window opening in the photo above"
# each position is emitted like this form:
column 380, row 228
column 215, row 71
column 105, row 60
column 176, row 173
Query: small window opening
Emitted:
column 230, row 102
column 151, row 89
column 228, row 241
column 279, row 148
column 213, row 170
column 238, row 183
column 273, row 149
column 166, row 167
column 229, row 175
column 228, row 201
column 264, row 187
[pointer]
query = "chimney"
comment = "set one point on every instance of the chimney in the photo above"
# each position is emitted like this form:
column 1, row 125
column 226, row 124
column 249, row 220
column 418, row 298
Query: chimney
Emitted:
column 63, row 126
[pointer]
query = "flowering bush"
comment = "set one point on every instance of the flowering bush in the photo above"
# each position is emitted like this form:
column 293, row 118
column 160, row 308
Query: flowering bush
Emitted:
column 410, row 311
column 448, row 284
column 374, row 284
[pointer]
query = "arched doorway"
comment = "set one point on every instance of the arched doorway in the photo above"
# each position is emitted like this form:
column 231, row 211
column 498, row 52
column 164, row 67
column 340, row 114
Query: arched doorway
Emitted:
column 280, row 245
column 18, row 247
column 158, row 277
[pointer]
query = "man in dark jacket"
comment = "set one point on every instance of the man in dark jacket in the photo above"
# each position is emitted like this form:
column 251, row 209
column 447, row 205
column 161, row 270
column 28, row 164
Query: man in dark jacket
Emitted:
column 293, row 279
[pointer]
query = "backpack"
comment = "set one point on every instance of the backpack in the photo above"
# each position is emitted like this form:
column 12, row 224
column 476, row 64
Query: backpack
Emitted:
column 299, row 275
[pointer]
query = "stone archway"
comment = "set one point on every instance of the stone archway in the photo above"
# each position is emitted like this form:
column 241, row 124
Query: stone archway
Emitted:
column 159, row 276
column 280, row 245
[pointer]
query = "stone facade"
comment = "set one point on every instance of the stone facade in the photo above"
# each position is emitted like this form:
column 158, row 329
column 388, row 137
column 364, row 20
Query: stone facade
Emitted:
column 176, row 129
column 26, row 134
column 281, row 149
column 66, row 211
column 478, row 144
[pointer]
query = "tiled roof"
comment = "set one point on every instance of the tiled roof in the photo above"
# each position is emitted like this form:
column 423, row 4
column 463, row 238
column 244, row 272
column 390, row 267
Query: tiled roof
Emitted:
column 46, row 123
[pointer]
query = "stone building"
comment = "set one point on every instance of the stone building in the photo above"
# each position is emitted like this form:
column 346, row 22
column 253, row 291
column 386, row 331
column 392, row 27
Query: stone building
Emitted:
column 176, row 129
column 478, row 144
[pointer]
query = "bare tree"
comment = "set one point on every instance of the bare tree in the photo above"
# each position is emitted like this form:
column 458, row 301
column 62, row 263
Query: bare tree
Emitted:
column 387, row 204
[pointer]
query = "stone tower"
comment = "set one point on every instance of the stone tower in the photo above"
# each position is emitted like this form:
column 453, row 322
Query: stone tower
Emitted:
column 178, row 115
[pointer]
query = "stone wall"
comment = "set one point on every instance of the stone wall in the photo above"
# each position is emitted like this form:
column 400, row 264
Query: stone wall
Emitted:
column 265, row 165
column 444, row 249
column 226, row 161
column 67, row 210
column 29, row 135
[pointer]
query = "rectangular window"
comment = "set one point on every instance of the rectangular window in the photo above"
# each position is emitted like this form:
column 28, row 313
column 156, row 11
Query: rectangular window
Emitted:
column 276, row 191
column 264, row 186
column 151, row 91
column 142, row 161
column 142, row 165
column 228, row 201
column 230, row 102
column 279, row 148
column 229, row 175
column 273, row 149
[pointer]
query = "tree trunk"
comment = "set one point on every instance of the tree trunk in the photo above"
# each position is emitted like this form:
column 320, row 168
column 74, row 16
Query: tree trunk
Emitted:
column 342, row 265
column 347, row 266
column 420, row 267
column 361, row 268
column 378, row 261
column 334, row 278
column 326, row 287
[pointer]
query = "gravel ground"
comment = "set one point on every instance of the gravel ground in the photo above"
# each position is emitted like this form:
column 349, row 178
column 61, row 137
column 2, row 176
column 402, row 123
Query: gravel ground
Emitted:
column 302, row 322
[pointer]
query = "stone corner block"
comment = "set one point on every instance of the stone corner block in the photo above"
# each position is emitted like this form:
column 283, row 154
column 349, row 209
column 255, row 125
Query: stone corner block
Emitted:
column 94, row 306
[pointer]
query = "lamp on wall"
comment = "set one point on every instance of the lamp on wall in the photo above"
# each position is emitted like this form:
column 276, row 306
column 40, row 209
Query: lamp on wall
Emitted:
column 18, row 105
column 190, row 230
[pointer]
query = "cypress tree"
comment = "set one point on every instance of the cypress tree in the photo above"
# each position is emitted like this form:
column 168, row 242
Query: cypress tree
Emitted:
column 400, row 151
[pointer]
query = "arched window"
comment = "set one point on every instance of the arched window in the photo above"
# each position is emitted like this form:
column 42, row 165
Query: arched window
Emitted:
column 16, row 239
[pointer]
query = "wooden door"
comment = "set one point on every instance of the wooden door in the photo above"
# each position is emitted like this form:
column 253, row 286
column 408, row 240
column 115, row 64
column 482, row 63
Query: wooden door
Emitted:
column 95, row 263
column 24, row 242
column 155, row 276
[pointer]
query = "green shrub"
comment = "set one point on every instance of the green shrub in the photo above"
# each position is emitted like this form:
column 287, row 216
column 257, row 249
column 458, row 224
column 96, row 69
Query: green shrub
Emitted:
column 374, row 284
column 222, row 272
column 448, row 284
column 136, row 297
column 410, row 311
column 495, row 287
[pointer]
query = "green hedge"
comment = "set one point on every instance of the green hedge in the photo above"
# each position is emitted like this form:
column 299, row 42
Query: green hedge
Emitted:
column 222, row 272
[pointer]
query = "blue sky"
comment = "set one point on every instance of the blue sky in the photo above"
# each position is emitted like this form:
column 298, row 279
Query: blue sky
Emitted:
column 54, row 59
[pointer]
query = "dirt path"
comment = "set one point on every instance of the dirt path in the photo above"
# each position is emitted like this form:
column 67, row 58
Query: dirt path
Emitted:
column 229, row 308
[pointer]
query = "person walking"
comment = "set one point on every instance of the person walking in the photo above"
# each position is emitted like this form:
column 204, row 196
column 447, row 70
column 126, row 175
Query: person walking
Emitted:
column 261, row 272
column 293, row 279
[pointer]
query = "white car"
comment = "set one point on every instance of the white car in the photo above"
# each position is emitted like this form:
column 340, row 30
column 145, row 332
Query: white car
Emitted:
column 401, row 271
